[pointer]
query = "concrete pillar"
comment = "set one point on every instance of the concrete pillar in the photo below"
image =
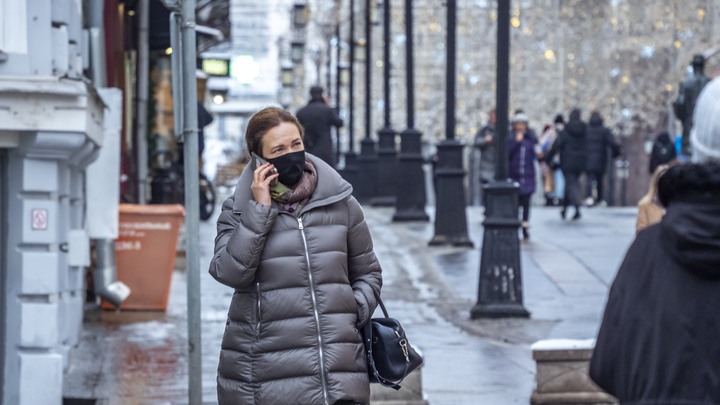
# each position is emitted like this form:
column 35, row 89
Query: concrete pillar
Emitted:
column 46, row 253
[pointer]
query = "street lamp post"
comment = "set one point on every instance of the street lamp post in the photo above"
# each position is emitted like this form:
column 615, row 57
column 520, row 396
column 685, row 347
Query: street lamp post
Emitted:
column 410, row 192
column 450, row 216
column 367, row 175
column 328, row 72
column 350, row 172
column 338, row 76
column 387, row 163
column 500, row 287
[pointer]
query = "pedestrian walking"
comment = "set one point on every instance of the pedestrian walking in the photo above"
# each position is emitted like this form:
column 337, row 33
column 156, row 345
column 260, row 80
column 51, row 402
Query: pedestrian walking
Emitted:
column 599, row 141
column 650, row 211
column 554, row 182
column 658, row 343
column 663, row 151
column 299, row 256
column 485, row 142
column 317, row 118
column 522, row 149
column 572, row 147
column 684, row 106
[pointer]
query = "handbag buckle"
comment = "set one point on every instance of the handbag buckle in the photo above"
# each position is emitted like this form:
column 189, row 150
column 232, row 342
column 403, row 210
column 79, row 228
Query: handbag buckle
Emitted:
column 403, row 344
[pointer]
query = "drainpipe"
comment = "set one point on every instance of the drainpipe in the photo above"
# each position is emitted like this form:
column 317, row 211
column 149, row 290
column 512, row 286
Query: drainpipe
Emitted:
column 106, row 284
column 94, row 10
column 143, row 78
column 105, row 274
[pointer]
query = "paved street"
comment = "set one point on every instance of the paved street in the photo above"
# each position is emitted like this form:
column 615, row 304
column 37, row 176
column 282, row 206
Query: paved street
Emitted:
column 139, row 358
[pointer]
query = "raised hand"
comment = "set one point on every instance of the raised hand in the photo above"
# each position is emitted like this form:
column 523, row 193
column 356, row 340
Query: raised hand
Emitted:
column 261, row 184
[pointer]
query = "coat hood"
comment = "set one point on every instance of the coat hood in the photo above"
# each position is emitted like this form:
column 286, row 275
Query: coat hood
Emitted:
column 596, row 121
column 691, row 227
column 691, row 233
column 575, row 127
column 331, row 186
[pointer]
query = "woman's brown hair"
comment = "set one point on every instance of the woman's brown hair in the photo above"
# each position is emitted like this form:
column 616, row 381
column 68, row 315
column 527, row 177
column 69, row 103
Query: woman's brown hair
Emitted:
column 265, row 120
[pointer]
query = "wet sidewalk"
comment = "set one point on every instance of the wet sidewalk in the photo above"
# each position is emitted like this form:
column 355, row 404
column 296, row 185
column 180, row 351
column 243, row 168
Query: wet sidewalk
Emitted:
column 139, row 358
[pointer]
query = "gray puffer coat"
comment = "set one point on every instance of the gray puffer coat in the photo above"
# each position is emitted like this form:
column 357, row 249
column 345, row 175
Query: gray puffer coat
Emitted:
column 303, row 288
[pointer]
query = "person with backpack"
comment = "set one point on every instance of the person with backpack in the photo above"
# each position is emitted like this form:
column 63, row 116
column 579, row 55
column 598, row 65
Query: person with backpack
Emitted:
column 554, row 181
column 572, row 147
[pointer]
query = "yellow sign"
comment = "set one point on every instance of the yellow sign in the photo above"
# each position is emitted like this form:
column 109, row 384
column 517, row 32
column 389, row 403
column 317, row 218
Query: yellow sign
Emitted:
column 216, row 67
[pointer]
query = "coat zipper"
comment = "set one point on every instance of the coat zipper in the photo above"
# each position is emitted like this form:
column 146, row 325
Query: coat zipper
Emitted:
column 259, row 315
column 315, row 310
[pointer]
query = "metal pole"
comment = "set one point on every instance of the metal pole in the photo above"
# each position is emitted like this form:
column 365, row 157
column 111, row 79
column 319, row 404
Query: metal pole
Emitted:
column 368, row 69
column 502, row 90
column 365, row 187
column 450, row 71
column 387, row 153
column 351, row 171
column 142, row 98
column 500, row 293
column 351, row 85
column 192, row 203
column 177, row 74
column 328, row 74
column 410, row 192
column 450, row 215
column 338, row 70
column 409, row 65
column 338, row 80
column 386, row 58
column 318, row 66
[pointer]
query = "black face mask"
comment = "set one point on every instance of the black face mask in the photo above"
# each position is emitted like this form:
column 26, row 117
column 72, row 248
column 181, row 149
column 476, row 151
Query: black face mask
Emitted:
column 290, row 166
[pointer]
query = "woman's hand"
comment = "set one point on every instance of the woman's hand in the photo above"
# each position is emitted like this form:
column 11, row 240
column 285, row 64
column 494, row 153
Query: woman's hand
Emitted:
column 261, row 185
column 519, row 137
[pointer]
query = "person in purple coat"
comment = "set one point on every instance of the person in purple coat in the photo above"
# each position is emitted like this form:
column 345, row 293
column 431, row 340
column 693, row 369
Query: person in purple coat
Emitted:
column 523, row 150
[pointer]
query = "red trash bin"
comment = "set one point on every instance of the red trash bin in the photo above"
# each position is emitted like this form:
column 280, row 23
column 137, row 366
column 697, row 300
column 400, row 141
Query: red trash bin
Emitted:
column 145, row 253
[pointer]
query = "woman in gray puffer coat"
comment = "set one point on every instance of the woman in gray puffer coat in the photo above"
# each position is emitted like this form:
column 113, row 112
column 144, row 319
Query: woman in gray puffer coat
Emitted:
column 300, row 258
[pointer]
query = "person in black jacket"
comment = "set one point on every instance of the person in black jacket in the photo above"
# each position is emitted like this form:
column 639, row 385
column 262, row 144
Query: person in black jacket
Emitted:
column 658, row 343
column 572, row 146
column 599, row 140
column 316, row 118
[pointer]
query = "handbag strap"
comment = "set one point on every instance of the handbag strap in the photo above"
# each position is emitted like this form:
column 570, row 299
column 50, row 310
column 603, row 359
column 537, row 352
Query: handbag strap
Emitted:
column 377, row 299
column 380, row 302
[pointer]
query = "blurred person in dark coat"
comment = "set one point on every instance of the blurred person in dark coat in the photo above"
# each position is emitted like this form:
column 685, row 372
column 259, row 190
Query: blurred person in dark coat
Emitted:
column 572, row 147
column 599, row 140
column 658, row 343
column 485, row 141
column 317, row 117
column 663, row 151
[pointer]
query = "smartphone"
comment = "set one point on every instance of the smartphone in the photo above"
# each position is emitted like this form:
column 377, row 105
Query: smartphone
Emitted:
column 258, row 161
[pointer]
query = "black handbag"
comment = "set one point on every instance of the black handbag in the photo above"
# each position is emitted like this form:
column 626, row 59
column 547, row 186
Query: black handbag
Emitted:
column 390, row 356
